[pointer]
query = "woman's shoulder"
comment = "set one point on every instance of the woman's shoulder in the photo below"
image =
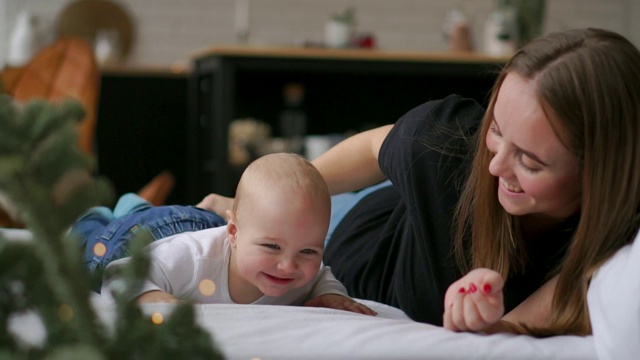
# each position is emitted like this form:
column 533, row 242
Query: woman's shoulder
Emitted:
column 447, row 125
column 452, row 112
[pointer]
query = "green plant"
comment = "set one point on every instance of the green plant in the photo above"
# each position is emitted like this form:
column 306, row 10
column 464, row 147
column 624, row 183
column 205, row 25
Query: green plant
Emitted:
column 347, row 17
column 44, row 282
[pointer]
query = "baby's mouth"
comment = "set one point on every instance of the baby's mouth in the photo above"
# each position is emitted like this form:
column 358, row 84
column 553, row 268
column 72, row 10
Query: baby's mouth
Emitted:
column 279, row 280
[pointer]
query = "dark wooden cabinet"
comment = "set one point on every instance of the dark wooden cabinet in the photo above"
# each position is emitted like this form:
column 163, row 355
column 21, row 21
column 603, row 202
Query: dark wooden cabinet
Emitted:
column 142, row 128
column 346, row 90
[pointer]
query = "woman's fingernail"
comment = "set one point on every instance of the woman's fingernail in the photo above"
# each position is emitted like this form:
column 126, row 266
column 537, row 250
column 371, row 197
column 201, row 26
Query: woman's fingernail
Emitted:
column 486, row 288
column 472, row 288
column 462, row 290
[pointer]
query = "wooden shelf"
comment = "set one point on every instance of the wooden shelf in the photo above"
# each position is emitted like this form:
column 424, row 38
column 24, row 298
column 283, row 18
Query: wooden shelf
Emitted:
column 347, row 54
column 346, row 90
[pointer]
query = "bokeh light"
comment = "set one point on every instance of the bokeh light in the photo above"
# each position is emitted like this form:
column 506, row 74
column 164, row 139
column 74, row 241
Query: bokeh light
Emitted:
column 207, row 287
column 157, row 318
column 99, row 249
column 65, row 312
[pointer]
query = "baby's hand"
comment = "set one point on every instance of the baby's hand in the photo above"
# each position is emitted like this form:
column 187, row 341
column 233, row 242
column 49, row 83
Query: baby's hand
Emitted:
column 156, row 296
column 335, row 301
column 474, row 302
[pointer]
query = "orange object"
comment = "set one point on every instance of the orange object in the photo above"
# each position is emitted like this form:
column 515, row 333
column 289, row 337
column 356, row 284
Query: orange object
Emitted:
column 157, row 190
column 65, row 69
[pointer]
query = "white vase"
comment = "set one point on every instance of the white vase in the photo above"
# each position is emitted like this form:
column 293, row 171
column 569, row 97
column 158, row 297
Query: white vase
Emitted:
column 107, row 47
column 338, row 34
column 23, row 41
column 501, row 32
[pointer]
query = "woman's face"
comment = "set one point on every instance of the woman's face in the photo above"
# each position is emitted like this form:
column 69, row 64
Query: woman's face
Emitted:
column 536, row 174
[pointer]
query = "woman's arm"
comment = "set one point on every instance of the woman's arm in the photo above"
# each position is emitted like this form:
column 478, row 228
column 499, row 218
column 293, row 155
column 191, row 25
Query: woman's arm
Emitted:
column 353, row 163
column 350, row 165
column 533, row 312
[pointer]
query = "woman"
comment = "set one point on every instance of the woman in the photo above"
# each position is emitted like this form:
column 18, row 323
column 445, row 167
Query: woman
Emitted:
column 551, row 192
column 534, row 194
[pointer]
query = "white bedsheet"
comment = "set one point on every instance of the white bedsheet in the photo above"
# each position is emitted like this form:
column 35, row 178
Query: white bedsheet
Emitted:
column 287, row 332
column 263, row 332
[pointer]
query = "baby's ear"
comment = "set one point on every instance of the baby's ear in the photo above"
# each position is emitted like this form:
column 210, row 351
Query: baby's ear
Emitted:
column 232, row 229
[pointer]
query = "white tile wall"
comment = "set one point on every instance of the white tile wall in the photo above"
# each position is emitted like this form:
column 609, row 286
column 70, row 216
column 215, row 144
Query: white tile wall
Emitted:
column 169, row 30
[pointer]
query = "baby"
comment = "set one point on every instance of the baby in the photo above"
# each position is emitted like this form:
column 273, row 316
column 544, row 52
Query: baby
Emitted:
column 270, row 251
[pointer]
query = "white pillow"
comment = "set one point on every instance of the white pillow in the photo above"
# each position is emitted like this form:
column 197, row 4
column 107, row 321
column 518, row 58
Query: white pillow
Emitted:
column 614, row 305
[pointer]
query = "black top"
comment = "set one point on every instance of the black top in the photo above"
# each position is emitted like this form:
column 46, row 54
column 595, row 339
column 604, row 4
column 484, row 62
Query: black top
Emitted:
column 395, row 245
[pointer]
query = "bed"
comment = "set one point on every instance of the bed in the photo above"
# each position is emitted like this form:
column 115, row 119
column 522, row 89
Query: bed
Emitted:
column 287, row 332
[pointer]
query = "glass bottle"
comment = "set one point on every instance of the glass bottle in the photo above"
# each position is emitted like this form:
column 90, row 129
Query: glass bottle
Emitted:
column 501, row 29
column 293, row 118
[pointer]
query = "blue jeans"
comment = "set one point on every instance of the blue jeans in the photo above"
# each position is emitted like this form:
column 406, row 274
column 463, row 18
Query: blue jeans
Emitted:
column 114, row 229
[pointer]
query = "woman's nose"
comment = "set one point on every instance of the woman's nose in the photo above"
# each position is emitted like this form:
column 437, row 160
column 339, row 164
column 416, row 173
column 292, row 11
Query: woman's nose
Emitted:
column 499, row 166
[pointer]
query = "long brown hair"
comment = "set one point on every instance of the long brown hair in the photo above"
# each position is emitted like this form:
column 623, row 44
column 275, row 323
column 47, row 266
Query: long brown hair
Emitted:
column 588, row 85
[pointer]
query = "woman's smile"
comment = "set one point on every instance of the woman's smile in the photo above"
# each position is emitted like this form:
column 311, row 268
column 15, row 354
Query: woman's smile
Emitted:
column 510, row 188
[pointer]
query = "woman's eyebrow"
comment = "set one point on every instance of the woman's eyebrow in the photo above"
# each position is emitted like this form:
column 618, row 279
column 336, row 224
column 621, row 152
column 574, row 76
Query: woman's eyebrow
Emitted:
column 528, row 153
column 531, row 155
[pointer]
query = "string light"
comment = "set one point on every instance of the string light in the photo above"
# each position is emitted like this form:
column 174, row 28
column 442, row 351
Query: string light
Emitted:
column 157, row 318
column 99, row 249
column 207, row 287
column 65, row 312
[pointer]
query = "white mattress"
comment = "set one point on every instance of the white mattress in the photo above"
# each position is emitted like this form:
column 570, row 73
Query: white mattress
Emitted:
column 287, row 332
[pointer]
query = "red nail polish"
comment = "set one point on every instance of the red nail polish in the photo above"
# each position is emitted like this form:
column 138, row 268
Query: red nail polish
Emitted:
column 462, row 290
column 486, row 288
column 472, row 288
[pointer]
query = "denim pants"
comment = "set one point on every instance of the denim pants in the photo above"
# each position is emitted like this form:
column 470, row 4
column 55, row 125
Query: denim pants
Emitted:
column 105, row 234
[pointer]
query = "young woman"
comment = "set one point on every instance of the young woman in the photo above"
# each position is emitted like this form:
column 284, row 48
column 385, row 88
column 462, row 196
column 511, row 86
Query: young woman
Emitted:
column 551, row 191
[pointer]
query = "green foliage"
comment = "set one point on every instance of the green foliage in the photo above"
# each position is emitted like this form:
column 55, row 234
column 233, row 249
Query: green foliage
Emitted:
column 348, row 16
column 530, row 18
column 50, row 182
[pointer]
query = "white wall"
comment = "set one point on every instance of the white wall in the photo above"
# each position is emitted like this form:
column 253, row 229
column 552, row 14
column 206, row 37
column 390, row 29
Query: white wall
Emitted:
column 172, row 30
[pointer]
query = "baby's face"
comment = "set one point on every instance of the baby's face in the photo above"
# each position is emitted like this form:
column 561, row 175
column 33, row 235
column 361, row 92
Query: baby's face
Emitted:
column 279, row 245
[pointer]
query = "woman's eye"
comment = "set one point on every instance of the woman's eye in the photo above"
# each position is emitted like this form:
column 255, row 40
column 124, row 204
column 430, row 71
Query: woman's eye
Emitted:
column 494, row 128
column 525, row 166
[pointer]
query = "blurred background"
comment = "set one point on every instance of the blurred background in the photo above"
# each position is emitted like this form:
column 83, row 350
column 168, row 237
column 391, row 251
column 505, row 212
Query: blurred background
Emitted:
column 190, row 91
column 167, row 32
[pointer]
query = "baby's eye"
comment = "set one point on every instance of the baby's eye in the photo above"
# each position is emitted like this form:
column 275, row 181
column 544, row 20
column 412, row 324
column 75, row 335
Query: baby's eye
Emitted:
column 308, row 251
column 272, row 246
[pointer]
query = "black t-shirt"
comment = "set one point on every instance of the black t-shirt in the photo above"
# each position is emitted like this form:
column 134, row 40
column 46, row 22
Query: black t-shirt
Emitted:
column 395, row 245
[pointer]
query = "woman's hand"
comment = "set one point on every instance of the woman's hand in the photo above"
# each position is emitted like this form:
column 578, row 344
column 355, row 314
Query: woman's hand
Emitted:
column 335, row 301
column 474, row 302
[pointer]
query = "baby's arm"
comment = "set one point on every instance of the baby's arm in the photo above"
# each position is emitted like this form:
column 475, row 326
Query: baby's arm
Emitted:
column 157, row 296
column 330, row 293
column 340, row 302
column 474, row 302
